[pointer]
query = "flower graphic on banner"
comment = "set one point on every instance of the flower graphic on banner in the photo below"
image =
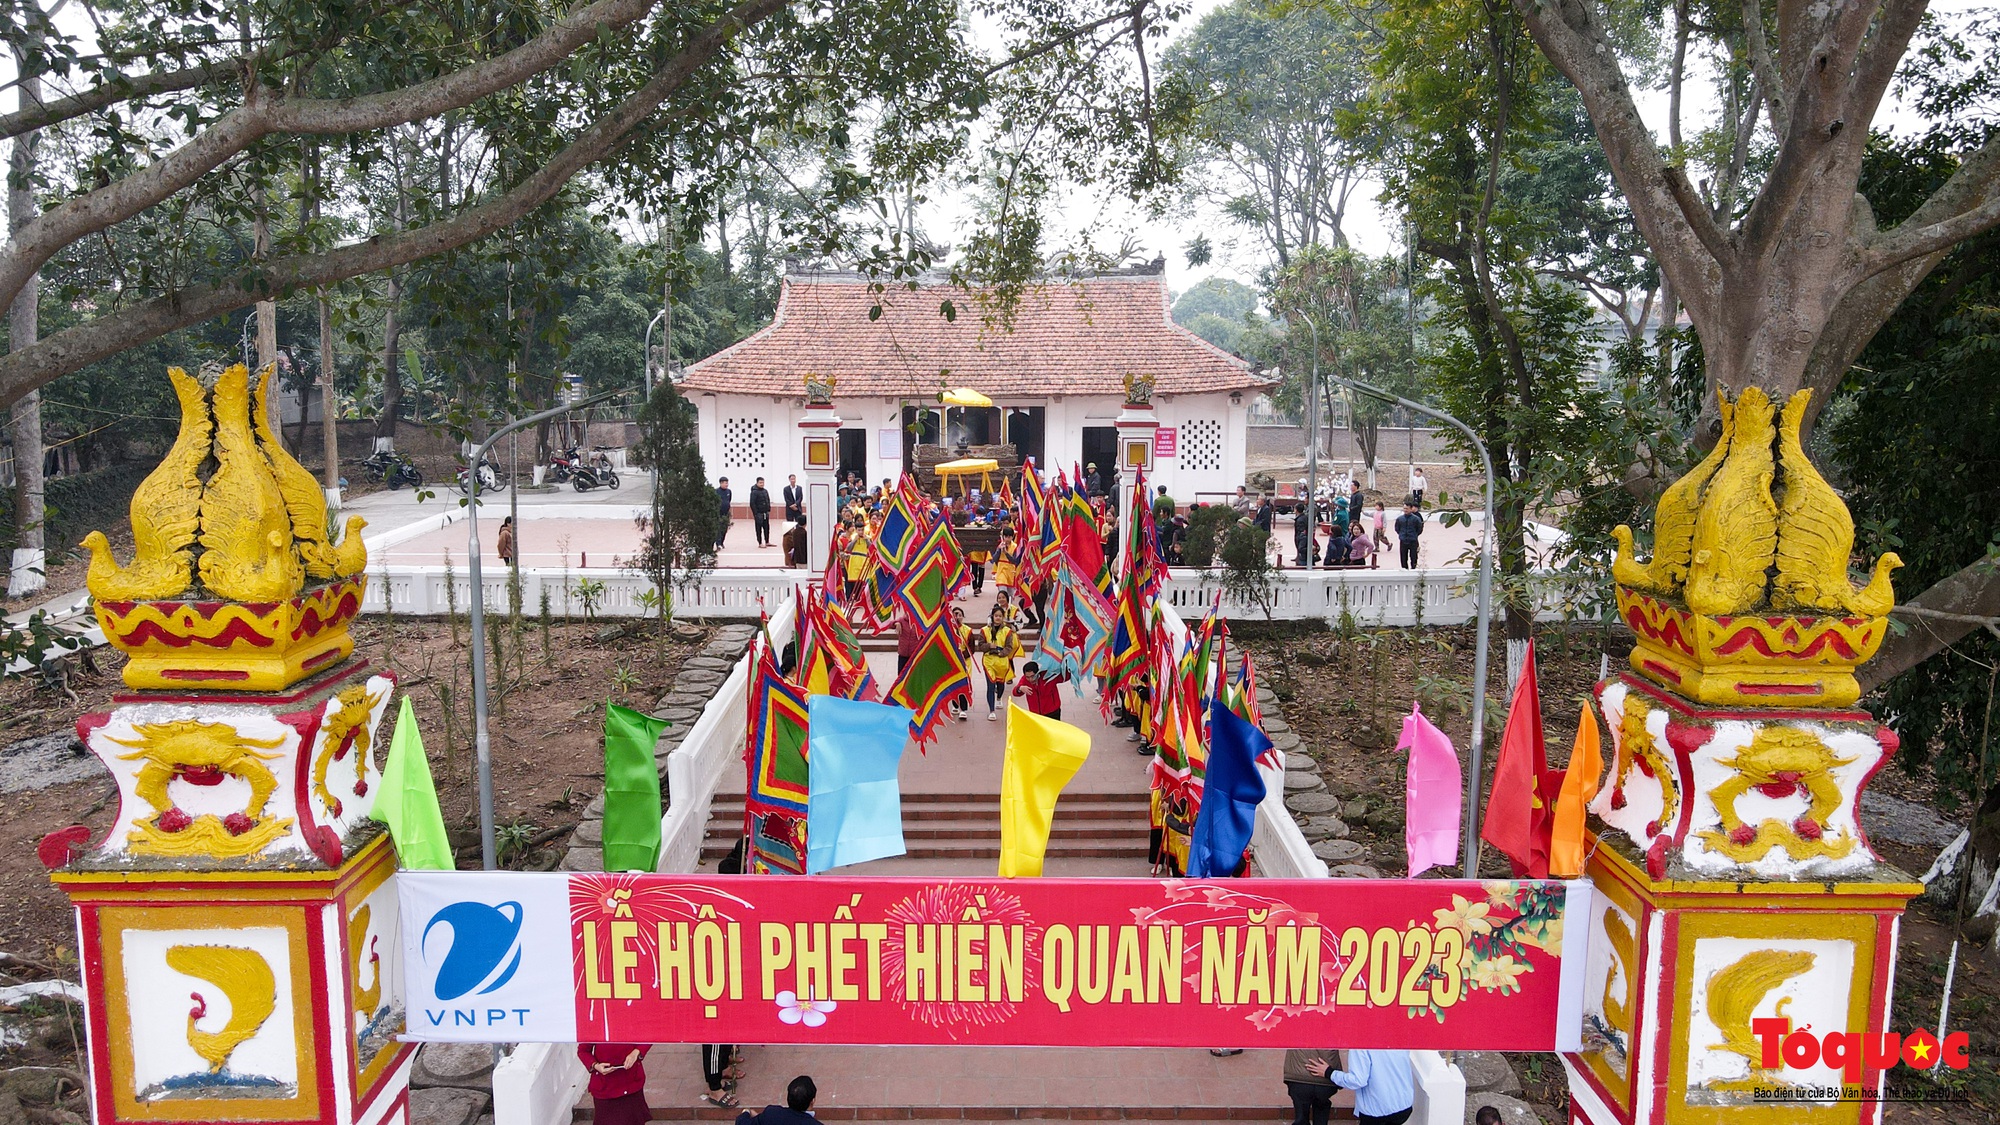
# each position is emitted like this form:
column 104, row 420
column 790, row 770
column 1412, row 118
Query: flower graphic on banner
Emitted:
column 808, row 1011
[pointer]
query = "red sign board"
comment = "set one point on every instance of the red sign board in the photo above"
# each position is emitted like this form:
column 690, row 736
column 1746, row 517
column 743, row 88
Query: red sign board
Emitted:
column 1104, row 962
column 1166, row 440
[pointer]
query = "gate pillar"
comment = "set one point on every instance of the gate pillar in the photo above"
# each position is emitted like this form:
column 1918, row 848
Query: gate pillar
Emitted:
column 1735, row 882
column 237, row 927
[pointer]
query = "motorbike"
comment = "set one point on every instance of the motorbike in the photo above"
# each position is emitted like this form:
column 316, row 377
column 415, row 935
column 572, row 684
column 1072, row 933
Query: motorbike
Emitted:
column 386, row 465
column 585, row 476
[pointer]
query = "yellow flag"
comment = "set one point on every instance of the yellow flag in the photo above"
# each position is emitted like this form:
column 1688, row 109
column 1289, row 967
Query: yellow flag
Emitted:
column 1578, row 787
column 1042, row 755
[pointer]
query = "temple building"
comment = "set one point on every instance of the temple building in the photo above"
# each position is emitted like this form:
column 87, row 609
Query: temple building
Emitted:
column 1056, row 376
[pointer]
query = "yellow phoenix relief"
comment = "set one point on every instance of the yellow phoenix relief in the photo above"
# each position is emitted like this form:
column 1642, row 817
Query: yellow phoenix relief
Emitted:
column 1734, row 992
column 245, row 981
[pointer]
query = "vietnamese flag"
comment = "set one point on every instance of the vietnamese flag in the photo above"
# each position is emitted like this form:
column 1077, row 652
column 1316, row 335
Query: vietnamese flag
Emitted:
column 1517, row 819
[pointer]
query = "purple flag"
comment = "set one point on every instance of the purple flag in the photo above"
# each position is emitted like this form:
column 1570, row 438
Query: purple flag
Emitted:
column 1433, row 796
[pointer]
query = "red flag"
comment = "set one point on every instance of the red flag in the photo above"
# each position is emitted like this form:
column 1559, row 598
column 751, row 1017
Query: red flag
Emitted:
column 1517, row 818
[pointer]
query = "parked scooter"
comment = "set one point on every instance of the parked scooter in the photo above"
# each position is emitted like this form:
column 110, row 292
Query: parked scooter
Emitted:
column 387, row 465
column 585, row 476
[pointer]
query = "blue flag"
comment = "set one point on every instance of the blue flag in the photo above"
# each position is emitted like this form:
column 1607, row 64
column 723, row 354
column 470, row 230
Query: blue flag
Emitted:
column 854, row 812
column 1230, row 795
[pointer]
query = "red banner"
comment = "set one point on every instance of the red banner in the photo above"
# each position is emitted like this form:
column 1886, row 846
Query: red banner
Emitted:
column 1107, row 962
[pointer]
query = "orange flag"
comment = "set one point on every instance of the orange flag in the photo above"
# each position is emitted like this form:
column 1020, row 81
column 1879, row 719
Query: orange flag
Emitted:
column 1516, row 820
column 1578, row 787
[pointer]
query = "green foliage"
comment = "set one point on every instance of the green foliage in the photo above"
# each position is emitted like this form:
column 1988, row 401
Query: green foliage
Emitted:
column 1207, row 526
column 678, row 531
column 1915, row 441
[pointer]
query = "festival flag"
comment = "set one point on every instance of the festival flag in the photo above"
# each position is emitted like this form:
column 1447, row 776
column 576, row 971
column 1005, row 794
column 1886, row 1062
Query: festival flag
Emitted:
column 631, row 789
column 900, row 533
column 855, row 806
column 1433, row 796
column 1230, row 796
column 1516, row 818
column 408, row 801
column 930, row 680
column 1579, row 785
column 774, row 805
column 1043, row 754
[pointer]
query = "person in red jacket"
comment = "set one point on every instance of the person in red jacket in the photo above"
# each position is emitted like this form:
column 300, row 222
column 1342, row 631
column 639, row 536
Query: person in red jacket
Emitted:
column 1038, row 686
column 617, row 1082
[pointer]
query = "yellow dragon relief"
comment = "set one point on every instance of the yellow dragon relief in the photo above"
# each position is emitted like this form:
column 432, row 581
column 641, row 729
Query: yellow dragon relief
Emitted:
column 246, row 532
column 1780, row 762
column 201, row 753
column 166, row 514
column 345, row 731
column 245, row 980
column 1734, row 992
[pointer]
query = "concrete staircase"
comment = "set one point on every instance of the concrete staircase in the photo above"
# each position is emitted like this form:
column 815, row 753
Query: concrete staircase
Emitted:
column 967, row 826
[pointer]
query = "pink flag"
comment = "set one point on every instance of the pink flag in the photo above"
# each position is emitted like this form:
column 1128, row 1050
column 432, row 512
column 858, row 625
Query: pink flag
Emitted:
column 1433, row 796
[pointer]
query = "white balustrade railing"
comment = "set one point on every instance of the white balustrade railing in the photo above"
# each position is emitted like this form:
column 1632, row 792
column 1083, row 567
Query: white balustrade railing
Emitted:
column 713, row 745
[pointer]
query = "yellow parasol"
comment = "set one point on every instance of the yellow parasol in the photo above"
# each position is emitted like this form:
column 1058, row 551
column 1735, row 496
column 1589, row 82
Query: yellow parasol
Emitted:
column 965, row 467
column 964, row 396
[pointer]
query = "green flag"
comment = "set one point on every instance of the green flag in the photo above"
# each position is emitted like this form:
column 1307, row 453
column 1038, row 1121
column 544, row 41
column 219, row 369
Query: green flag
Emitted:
column 408, row 801
column 631, row 790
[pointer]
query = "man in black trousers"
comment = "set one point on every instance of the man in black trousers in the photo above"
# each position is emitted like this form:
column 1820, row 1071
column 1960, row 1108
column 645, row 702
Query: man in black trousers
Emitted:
column 760, row 511
column 795, row 500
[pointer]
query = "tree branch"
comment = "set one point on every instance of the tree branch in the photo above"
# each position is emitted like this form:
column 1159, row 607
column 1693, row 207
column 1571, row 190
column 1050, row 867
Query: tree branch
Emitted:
column 24, row 370
column 112, row 92
column 1572, row 36
column 1970, row 595
column 265, row 112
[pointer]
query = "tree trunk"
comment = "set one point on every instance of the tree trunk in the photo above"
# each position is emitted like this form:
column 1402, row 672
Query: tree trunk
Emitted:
column 27, row 572
column 392, row 366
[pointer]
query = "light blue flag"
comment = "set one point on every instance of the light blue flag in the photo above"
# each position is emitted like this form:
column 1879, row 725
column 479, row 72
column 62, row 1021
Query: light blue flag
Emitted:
column 854, row 812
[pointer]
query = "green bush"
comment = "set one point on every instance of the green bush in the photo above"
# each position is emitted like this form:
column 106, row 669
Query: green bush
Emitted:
column 1206, row 526
column 77, row 505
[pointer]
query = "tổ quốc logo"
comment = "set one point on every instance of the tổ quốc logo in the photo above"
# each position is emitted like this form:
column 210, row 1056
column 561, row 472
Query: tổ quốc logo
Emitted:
column 492, row 967
column 1783, row 1047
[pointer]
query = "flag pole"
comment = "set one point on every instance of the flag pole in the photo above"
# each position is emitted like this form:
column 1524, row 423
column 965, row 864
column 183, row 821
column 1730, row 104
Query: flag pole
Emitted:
column 481, row 745
column 1469, row 856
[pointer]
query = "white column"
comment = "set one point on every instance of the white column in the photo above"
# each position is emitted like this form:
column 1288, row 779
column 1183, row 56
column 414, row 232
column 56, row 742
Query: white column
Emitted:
column 819, row 464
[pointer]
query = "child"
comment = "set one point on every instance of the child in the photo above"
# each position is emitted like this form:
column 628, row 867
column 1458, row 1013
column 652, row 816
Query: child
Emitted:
column 999, row 644
column 1038, row 686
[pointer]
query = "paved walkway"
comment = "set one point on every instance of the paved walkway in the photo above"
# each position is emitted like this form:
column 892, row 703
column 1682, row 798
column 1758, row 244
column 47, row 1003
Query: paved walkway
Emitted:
column 989, row 1083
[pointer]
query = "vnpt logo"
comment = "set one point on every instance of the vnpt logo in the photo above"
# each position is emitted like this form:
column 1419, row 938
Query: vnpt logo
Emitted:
column 474, row 947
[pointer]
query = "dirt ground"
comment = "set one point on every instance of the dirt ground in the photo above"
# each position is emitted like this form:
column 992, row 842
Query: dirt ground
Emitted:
column 546, row 728
column 1346, row 696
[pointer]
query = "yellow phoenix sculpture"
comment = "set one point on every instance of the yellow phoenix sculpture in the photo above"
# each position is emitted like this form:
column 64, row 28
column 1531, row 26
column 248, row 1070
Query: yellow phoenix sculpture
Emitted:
column 1755, row 507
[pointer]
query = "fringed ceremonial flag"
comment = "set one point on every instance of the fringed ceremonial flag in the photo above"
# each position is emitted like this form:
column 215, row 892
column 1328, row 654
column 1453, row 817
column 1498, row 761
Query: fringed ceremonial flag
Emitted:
column 779, row 781
column 930, row 680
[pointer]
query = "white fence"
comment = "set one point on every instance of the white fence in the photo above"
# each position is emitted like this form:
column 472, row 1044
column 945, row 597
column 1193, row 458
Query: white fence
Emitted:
column 713, row 745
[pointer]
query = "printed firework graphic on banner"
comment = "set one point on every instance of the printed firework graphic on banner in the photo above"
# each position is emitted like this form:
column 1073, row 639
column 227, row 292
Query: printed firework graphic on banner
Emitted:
column 774, row 805
column 930, row 680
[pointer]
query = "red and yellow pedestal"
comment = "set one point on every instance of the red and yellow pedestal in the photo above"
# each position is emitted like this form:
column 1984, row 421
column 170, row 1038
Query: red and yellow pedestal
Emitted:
column 1736, row 884
column 267, row 996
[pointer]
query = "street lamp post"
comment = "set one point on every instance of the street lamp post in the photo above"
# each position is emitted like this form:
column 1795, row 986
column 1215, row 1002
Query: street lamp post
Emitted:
column 482, row 746
column 1470, row 853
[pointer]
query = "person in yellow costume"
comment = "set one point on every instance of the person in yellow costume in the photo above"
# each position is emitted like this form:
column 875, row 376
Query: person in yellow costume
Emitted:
column 999, row 644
